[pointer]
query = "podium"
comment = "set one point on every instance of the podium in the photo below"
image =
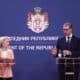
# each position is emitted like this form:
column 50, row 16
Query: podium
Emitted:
column 7, row 61
column 71, row 66
column 4, row 63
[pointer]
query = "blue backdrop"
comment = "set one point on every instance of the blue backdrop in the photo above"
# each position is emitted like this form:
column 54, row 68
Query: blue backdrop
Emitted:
column 36, row 64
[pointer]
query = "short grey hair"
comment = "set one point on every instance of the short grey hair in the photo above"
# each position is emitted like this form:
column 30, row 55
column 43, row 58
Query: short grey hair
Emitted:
column 67, row 24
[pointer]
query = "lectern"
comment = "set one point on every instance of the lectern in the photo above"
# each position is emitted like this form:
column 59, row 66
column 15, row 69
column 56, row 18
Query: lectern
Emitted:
column 71, row 66
column 4, row 63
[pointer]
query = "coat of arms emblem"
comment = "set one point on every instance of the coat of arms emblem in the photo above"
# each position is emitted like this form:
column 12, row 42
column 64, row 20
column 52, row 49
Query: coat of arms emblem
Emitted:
column 37, row 21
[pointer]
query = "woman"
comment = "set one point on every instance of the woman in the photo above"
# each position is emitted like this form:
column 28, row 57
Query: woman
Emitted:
column 6, row 56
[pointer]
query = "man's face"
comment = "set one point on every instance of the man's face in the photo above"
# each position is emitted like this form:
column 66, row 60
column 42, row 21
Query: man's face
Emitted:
column 67, row 30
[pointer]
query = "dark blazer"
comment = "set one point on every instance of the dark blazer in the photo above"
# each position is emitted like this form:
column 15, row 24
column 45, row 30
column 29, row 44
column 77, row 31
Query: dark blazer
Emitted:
column 74, row 45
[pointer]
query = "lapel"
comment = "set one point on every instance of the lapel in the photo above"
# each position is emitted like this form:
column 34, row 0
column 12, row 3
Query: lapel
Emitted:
column 64, row 42
column 72, row 41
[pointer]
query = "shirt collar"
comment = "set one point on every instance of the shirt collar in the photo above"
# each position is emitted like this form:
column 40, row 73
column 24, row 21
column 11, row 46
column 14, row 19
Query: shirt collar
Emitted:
column 70, row 36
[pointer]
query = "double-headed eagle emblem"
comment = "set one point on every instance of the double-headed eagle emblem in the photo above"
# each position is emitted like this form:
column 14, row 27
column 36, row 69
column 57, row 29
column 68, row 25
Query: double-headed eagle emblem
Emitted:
column 37, row 21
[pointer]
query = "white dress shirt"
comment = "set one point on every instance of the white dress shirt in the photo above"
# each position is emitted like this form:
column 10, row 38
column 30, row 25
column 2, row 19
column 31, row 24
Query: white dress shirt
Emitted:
column 69, row 37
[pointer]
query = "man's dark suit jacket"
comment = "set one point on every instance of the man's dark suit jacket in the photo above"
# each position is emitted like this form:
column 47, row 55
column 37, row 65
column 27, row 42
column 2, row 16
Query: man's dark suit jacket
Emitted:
column 74, row 45
column 75, row 49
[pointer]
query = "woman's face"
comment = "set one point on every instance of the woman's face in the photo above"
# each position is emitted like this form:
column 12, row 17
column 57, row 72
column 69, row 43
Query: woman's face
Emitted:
column 5, row 43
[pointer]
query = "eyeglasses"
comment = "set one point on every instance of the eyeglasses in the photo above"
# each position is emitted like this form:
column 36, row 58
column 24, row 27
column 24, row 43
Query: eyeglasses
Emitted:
column 65, row 29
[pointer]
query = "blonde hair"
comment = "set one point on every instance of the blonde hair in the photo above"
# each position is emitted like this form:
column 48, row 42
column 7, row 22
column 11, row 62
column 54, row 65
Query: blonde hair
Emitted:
column 2, row 39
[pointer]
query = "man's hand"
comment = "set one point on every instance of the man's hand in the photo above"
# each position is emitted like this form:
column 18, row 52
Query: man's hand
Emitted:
column 54, row 51
column 66, row 53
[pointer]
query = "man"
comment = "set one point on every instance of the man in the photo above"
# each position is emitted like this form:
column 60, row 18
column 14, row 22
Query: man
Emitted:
column 69, row 46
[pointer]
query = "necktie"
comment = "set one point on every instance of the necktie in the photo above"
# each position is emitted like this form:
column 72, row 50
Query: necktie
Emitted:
column 68, row 43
